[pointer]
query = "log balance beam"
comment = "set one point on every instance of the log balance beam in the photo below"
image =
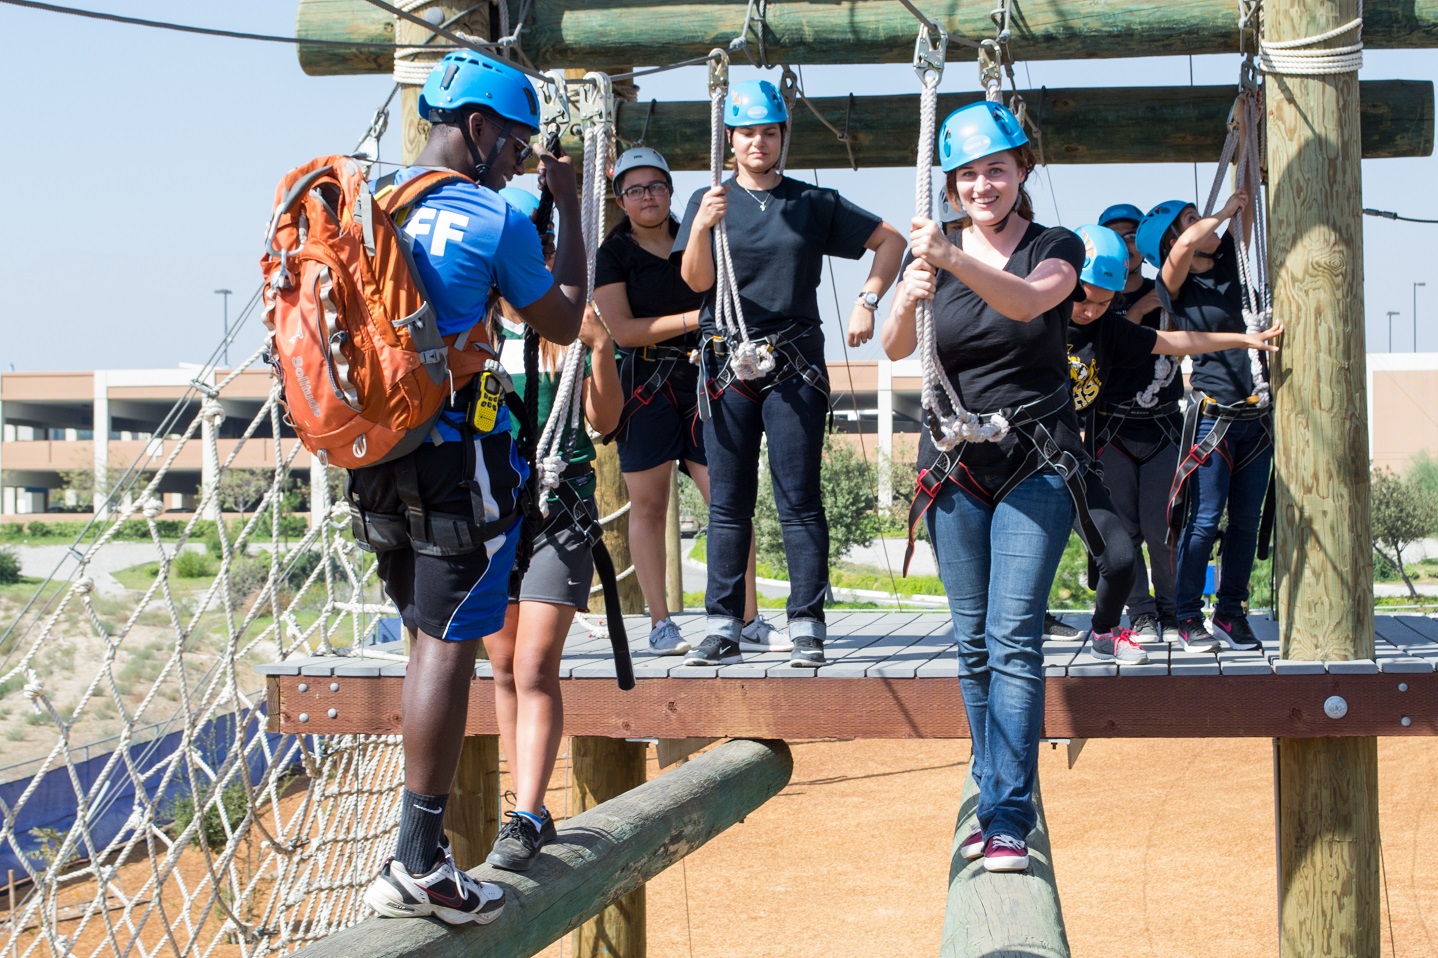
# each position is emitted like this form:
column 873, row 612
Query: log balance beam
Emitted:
column 602, row 855
column 1003, row 915
column 611, row 37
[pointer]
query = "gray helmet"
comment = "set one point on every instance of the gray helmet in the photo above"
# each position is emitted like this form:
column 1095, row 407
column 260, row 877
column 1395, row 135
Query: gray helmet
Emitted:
column 637, row 157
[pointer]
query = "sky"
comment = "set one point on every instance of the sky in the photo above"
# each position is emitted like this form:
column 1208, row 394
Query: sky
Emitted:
column 141, row 168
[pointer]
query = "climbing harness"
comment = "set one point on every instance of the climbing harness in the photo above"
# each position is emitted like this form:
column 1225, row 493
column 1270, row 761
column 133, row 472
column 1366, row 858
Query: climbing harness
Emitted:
column 664, row 364
column 950, row 424
column 748, row 359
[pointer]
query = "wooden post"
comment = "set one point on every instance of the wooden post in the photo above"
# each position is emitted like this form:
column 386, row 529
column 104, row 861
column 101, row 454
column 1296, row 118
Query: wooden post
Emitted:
column 604, row 769
column 1327, row 787
column 600, row 855
column 1002, row 915
column 472, row 818
column 674, row 547
column 603, row 36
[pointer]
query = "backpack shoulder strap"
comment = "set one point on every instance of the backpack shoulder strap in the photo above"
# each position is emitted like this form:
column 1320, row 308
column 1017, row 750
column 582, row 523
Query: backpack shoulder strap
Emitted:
column 392, row 198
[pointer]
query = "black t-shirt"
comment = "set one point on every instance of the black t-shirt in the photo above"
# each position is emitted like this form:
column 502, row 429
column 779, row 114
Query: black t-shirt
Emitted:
column 652, row 283
column 779, row 251
column 1097, row 350
column 998, row 363
column 1122, row 385
column 1212, row 302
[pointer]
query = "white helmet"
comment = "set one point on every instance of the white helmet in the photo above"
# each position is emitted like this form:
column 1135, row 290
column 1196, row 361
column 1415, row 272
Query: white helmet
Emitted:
column 947, row 213
column 637, row 157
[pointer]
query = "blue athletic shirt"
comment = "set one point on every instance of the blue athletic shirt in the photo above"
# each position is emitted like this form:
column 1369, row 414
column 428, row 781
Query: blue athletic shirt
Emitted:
column 468, row 241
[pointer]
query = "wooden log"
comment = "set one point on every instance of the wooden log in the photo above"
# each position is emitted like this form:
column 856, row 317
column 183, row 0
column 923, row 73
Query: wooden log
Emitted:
column 599, row 36
column 603, row 769
column 1092, row 125
column 601, row 855
column 1002, row 915
column 1328, row 833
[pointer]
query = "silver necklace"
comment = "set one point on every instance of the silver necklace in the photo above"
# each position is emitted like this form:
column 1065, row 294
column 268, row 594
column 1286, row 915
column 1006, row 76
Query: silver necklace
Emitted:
column 764, row 203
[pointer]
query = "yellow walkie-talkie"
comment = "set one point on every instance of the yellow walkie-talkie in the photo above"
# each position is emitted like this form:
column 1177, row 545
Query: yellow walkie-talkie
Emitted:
column 484, row 410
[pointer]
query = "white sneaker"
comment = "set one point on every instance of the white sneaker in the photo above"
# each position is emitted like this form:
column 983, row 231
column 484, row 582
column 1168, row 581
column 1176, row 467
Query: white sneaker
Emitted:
column 665, row 639
column 760, row 636
column 445, row 892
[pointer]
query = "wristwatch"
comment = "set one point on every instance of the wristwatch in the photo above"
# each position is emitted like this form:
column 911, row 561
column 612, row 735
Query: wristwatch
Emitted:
column 869, row 301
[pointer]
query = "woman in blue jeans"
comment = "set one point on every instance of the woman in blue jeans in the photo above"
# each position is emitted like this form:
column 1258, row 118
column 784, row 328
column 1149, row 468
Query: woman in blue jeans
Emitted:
column 779, row 230
column 998, row 512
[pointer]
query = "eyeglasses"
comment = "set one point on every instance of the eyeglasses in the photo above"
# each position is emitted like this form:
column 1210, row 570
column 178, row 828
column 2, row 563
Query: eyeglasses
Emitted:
column 655, row 189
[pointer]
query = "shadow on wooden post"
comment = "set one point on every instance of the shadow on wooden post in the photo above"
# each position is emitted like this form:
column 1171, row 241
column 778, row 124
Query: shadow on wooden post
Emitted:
column 601, row 856
column 1003, row 915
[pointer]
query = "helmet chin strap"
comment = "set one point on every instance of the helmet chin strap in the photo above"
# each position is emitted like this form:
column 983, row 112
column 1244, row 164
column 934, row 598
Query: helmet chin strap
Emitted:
column 482, row 164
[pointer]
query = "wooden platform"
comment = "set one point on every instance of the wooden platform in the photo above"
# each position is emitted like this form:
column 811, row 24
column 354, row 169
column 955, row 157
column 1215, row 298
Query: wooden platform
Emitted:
column 893, row 675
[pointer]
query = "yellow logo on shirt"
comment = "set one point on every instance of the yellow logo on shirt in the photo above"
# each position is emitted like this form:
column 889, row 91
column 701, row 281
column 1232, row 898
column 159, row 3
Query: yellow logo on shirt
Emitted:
column 1086, row 384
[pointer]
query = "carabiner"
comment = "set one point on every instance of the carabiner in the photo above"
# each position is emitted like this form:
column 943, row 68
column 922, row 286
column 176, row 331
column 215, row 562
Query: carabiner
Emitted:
column 554, row 104
column 930, row 53
column 718, row 70
column 596, row 99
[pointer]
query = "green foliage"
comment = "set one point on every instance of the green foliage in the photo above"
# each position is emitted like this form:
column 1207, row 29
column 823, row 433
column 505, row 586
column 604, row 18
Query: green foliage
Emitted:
column 1070, row 589
column 1404, row 511
column 195, row 565
column 9, row 566
column 847, row 484
column 211, row 832
column 691, row 501
column 54, row 530
column 50, row 840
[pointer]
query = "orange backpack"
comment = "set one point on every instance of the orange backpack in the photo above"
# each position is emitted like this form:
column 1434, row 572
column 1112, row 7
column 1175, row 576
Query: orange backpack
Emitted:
column 353, row 340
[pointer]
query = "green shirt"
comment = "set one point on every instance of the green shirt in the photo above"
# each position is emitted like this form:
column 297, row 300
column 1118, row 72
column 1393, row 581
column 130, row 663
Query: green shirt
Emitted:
column 579, row 474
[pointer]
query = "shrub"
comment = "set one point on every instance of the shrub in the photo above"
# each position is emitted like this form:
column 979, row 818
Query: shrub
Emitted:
column 12, row 530
column 195, row 565
column 212, row 827
column 9, row 566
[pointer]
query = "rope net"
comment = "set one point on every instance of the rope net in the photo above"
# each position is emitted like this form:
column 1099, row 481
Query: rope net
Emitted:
column 153, row 813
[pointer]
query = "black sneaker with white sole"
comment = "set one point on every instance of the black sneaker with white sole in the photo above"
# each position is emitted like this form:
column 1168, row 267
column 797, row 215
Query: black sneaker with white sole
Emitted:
column 1236, row 632
column 1054, row 628
column 517, row 845
column 445, row 891
column 808, row 652
column 714, row 650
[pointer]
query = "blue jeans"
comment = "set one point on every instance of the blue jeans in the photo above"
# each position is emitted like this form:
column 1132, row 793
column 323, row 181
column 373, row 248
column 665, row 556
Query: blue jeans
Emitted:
column 793, row 415
column 1216, row 485
column 997, row 565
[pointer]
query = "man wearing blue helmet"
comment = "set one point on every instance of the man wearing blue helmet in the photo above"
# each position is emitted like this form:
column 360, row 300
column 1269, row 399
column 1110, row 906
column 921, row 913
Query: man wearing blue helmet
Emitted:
column 449, row 581
column 779, row 232
column 1101, row 344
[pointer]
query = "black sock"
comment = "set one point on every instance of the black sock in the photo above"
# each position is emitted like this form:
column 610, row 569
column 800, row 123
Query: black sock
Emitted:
column 421, row 824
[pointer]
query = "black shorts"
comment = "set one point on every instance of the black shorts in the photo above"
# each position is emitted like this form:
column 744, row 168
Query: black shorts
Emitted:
column 667, row 427
column 456, row 597
column 562, row 567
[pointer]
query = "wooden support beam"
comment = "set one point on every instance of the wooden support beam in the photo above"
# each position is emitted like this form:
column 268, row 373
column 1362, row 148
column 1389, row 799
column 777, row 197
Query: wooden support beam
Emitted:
column 604, row 36
column 1328, row 833
column 1003, row 915
column 601, row 855
column 604, row 769
column 1088, row 125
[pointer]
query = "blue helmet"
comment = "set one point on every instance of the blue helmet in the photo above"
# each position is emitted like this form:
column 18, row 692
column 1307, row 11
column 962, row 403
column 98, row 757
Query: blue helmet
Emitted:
column 754, row 103
column 1149, row 239
column 1120, row 211
column 1105, row 258
column 465, row 78
column 522, row 200
column 978, row 130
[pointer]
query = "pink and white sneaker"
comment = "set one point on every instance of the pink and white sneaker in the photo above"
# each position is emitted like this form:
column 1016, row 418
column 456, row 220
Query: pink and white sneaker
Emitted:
column 1004, row 853
column 1118, row 646
column 973, row 845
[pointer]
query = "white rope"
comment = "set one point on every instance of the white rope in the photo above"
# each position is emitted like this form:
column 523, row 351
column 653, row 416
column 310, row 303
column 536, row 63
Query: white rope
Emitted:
column 1303, row 57
column 748, row 359
column 1164, row 369
column 956, row 424
column 566, row 414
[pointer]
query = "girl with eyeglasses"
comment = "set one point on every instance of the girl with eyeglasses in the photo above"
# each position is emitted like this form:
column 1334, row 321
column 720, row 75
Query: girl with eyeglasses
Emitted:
column 655, row 319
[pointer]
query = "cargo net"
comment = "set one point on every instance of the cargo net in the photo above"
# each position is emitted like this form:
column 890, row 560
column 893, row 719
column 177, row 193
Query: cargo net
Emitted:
column 153, row 812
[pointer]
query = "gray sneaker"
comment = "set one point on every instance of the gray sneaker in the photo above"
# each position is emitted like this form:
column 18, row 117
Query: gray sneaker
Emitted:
column 1145, row 627
column 665, row 639
column 808, row 652
column 715, row 650
column 1119, row 646
column 760, row 636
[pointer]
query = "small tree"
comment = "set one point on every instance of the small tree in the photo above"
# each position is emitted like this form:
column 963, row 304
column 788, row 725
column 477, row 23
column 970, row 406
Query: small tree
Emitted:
column 847, row 485
column 240, row 490
column 1403, row 513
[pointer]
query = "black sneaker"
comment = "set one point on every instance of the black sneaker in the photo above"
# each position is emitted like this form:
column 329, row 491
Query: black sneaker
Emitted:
column 517, row 845
column 1145, row 627
column 1193, row 635
column 715, row 650
column 1236, row 632
column 547, row 832
column 1167, row 627
column 808, row 652
column 1055, row 629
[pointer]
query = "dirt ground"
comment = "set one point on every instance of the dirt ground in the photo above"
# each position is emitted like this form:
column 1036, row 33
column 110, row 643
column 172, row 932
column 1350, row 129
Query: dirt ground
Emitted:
column 1164, row 849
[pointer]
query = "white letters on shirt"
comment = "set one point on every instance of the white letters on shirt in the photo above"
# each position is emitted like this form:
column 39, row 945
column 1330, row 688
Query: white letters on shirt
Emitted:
column 449, row 226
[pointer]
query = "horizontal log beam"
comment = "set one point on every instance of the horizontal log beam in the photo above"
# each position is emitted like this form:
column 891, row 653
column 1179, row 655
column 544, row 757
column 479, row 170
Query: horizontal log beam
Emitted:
column 1087, row 125
column 600, row 856
column 1002, row 915
column 1132, row 706
column 612, row 35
